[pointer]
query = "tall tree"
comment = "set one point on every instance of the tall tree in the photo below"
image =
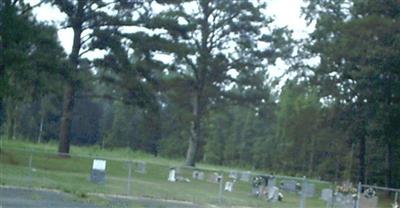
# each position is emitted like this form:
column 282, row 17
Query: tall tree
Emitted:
column 210, row 41
column 86, row 18
column 357, row 42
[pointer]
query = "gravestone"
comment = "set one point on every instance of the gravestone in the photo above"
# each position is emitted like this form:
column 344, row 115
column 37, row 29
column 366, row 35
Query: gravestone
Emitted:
column 214, row 177
column 245, row 176
column 344, row 200
column 233, row 174
column 368, row 202
column 195, row 174
column 172, row 175
column 326, row 195
column 309, row 189
column 229, row 186
column 288, row 185
column 273, row 194
column 141, row 167
column 271, row 183
column 199, row 175
column 98, row 174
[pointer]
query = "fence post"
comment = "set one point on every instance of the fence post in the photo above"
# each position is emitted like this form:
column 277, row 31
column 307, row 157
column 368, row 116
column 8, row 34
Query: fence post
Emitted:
column 303, row 195
column 396, row 196
column 357, row 204
column 30, row 169
column 128, row 190
column 221, row 182
column 333, row 196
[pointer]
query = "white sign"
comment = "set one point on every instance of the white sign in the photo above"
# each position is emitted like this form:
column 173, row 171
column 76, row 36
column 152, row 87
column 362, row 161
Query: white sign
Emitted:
column 99, row 165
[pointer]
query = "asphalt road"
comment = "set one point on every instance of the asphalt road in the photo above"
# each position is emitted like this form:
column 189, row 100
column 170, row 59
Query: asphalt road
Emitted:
column 14, row 197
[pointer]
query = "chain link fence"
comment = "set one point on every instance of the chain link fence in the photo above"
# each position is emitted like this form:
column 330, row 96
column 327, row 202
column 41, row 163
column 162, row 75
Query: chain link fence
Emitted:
column 85, row 175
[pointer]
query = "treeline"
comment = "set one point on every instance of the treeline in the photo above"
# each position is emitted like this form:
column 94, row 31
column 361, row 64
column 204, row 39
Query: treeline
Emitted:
column 336, row 118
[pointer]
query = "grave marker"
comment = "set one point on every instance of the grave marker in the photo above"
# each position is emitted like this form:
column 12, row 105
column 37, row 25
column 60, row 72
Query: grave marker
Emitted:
column 245, row 176
column 326, row 195
column 98, row 174
column 288, row 185
column 344, row 200
column 309, row 189
column 233, row 174
column 172, row 175
column 141, row 167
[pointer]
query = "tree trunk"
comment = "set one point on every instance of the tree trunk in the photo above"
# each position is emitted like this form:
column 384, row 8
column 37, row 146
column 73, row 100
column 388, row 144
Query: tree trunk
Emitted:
column 68, row 104
column 194, row 134
column 40, row 128
column 312, row 158
column 389, row 164
column 361, row 155
column 69, row 91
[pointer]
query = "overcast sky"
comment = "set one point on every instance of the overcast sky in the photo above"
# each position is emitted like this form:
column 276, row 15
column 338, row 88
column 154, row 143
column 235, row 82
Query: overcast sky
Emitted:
column 286, row 13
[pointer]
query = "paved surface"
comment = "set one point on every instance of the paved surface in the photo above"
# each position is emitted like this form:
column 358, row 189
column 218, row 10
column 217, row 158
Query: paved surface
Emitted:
column 14, row 197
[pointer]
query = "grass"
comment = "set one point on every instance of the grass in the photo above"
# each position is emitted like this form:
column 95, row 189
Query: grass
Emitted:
column 71, row 175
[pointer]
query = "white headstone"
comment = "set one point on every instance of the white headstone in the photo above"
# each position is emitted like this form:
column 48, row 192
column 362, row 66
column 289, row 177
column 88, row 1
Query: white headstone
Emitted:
column 99, row 165
column 172, row 175
column 229, row 186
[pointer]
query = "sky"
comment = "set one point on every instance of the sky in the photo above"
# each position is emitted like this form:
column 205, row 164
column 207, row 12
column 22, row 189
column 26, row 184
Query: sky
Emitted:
column 285, row 12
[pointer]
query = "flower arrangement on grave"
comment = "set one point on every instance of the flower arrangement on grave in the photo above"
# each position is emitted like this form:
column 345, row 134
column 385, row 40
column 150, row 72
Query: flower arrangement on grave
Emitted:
column 346, row 188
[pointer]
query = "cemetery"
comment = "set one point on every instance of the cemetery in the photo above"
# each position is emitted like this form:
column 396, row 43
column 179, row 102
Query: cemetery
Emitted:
column 202, row 185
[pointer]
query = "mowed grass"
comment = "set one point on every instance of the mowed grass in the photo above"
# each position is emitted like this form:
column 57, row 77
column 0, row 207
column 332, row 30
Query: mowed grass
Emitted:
column 72, row 175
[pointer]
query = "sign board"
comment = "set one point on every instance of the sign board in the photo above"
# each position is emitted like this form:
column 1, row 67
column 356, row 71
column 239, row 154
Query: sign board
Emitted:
column 98, row 174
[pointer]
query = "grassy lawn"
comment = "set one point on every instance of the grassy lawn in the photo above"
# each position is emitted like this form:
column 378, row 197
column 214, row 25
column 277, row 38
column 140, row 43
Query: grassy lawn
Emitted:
column 72, row 175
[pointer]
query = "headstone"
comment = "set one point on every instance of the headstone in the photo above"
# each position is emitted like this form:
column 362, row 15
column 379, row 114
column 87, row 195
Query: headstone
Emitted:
column 195, row 174
column 309, row 189
column 141, row 167
column 271, row 183
column 98, row 174
column 288, row 185
column 344, row 200
column 326, row 195
column 245, row 176
column 214, row 177
column 367, row 201
column 233, row 174
column 229, row 186
column 172, row 175
column 273, row 194
column 201, row 175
